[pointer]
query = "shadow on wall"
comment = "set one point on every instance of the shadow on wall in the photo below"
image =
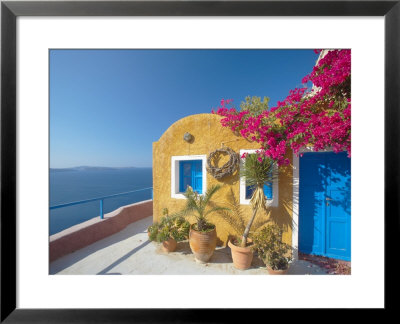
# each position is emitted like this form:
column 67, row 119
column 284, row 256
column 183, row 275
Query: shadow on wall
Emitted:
column 280, row 216
column 283, row 216
column 230, row 180
column 235, row 218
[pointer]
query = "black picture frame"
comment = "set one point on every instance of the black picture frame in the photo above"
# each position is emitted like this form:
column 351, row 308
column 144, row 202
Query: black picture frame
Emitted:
column 10, row 10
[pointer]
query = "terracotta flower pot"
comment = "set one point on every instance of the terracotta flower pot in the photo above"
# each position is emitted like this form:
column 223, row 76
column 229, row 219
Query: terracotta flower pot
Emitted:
column 241, row 256
column 277, row 272
column 202, row 244
column 169, row 246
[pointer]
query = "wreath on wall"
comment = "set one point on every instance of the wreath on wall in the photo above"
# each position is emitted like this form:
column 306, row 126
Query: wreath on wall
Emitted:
column 228, row 168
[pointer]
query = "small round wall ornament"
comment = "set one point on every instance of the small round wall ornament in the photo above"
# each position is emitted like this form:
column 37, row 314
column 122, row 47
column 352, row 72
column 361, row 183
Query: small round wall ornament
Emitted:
column 188, row 137
column 228, row 168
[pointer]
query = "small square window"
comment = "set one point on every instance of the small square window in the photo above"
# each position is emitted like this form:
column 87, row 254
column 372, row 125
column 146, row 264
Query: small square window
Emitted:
column 270, row 188
column 188, row 170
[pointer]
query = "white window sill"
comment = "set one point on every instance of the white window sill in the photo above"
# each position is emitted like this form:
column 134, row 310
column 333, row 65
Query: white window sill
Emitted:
column 269, row 202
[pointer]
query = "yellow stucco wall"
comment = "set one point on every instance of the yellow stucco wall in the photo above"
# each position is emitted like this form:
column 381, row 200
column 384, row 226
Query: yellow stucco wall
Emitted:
column 208, row 136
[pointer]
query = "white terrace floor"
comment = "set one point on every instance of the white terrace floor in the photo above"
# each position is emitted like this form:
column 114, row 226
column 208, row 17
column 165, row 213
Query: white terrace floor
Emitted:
column 130, row 252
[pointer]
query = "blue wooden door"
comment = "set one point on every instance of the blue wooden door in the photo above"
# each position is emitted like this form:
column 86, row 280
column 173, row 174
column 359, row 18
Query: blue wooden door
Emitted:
column 325, row 205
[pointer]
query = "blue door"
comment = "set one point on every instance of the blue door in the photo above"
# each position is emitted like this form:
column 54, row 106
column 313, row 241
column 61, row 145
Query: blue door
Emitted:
column 325, row 205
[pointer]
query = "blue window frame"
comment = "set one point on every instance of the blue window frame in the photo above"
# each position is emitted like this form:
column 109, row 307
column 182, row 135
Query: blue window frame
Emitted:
column 191, row 174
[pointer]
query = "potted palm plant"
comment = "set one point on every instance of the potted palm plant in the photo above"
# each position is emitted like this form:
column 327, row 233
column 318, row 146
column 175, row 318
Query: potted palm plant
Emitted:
column 270, row 248
column 258, row 171
column 169, row 231
column 202, row 234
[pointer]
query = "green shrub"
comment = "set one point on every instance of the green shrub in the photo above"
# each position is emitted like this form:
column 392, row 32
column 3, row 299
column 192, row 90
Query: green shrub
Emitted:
column 175, row 227
column 270, row 248
column 164, row 234
column 153, row 231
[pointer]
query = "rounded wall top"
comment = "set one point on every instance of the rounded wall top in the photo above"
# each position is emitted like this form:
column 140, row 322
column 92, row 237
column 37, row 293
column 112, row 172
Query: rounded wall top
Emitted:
column 189, row 120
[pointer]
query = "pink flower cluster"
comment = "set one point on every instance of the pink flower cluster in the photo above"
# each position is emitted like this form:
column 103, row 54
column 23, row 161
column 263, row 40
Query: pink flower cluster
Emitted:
column 318, row 117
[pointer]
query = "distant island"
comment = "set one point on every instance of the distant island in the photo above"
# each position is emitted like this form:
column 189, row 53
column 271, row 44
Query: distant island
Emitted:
column 93, row 168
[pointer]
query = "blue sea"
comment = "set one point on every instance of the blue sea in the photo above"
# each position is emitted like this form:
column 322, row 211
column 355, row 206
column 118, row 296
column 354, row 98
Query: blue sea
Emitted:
column 69, row 185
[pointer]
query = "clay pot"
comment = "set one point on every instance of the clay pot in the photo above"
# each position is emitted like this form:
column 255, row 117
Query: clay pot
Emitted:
column 169, row 246
column 202, row 244
column 241, row 256
column 277, row 272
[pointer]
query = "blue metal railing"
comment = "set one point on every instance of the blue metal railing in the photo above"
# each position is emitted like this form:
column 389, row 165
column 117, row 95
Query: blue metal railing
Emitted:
column 101, row 199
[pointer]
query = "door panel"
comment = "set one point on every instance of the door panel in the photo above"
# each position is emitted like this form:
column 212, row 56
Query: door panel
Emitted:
column 312, row 227
column 336, row 241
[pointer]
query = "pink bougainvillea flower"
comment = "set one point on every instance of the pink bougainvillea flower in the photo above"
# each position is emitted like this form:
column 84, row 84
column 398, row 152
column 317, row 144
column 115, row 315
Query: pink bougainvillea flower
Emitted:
column 320, row 116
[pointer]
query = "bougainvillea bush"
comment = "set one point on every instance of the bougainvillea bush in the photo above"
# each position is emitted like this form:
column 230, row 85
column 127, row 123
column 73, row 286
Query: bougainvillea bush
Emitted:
column 317, row 115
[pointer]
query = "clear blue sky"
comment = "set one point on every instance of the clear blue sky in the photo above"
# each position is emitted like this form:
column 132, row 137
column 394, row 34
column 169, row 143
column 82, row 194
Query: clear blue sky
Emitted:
column 108, row 106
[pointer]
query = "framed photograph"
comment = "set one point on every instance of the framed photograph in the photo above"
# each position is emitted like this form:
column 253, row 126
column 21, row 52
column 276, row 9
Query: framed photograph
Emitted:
column 59, row 56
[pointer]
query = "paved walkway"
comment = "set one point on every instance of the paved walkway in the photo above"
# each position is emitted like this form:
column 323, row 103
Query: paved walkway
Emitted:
column 130, row 252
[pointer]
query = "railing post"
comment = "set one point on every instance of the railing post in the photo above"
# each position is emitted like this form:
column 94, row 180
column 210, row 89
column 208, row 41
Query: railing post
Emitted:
column 101, row 209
